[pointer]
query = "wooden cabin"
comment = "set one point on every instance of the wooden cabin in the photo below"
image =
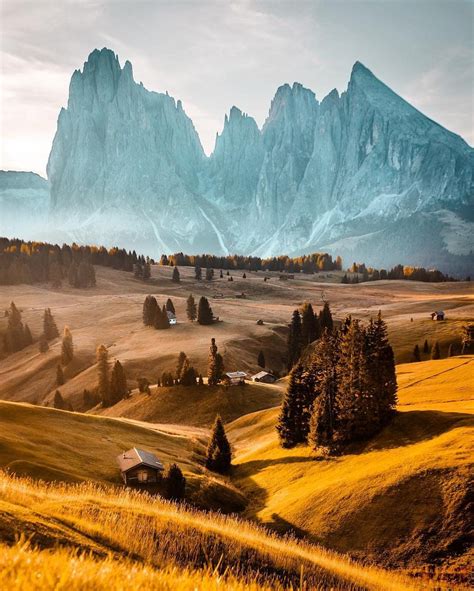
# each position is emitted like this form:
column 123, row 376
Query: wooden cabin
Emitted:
column 264, row 376
column 235, row 378
column 438, row 315
column 139, row 467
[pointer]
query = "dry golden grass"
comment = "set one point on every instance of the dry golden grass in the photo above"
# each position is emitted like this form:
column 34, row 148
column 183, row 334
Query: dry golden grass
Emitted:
column 112, row 314
column 401, row 498
column 109, row 525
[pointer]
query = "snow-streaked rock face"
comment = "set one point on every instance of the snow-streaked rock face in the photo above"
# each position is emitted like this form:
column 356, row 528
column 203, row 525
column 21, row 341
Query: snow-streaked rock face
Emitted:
column 353, row 174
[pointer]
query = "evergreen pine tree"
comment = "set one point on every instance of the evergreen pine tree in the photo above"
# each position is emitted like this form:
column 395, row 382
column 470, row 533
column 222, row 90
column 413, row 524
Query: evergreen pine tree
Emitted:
column 118, row 383
column 451, row 350
column 165, row 323
column 182, row 358
column 150, row 306
column 175, row 483
column 215, row 365
column 310, row 330
column 73, row 275
column 50, row 330
column 261, row 359
column 67, row 349
column 103, row 388
column 15, row 333
column 59, row 400
column 170, row 305
column 200, row 380
column 382, row 370
column 191, row 308
column 219, row 455
column 198, row 272
column 189, row 374
column 416, row 353
column 426, row 347
column 176, row 277
column 290, row 427
column 59, row 376
column 435, row 351
column 294, row 340
column 325, row 318
column 324, row 412
column 205, row 315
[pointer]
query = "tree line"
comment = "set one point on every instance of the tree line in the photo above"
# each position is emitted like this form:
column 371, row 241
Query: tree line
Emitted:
column 311, row 263
column 344, row 391
column 41, row 262
column 396, row 272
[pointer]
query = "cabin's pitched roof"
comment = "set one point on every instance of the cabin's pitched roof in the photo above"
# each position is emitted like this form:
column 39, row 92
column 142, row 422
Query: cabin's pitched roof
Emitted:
column 138, row 457
column 170, row 314
column 262, row 374
column 236, row 374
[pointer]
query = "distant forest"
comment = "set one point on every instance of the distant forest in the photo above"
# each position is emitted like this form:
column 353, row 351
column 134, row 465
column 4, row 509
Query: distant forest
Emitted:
column 40, row 262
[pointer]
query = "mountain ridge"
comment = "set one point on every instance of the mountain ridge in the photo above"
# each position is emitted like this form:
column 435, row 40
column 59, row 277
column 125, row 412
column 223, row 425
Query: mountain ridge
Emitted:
column 341, row 171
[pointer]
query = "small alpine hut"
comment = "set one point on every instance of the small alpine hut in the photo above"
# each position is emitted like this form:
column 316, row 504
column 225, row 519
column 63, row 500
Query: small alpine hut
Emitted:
column 171, row 317
column 139, row 467
column 438, row 315
column 235, row 378
column 264, row 376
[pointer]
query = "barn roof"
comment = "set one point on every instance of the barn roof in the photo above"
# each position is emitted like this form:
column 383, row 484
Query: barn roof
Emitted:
column 138, row 457
column 236, row 374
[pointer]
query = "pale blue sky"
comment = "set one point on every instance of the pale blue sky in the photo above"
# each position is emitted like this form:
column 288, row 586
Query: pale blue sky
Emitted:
column 214, row 54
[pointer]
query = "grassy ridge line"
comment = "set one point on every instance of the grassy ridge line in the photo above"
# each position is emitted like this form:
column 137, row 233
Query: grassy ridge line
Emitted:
column 115, row 516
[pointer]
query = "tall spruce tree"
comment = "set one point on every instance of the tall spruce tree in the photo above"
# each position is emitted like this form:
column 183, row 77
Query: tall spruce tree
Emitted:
column 435, row 351
column 170, row 305
column 182, row 358
column 325, row 318
column 426, row 347
column 43, row 344
column 416, row 353
column 219, row 455
column 59, row 401
column 118, row 383
column 323, row 421
column 261, row 359
column 176, row 278
column 293, row 420
column 198, row 272
column 294, row 339
column 191, row 308
column 382, row 369
column 103, row 387
column 50, row 330
column 150, row 306
column 67, row 349
column 310, row 330
column 205, row 315
column 215, row 365
column 15, row 333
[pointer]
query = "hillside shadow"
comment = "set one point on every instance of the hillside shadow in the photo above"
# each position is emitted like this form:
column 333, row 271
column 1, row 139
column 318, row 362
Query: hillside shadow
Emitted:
column 411, row 427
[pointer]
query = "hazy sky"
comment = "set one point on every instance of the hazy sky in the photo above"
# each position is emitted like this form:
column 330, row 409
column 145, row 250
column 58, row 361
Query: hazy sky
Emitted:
column 214, row 54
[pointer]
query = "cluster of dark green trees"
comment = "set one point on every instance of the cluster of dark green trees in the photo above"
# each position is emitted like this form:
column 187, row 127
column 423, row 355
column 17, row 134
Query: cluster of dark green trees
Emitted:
column 306, row 327
column 345, row 391
column 41, row 262
column 110, row 389
column 311, row 263
column 17, row 335
column 434, row 352
column 397, row 272
column 156, row 316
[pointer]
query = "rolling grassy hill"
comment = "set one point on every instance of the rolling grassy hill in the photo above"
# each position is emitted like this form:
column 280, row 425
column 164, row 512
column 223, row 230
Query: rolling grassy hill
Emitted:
column 400, row 499
column 133, row 541
column 111, row 313
column 57, row 445
column 196, row 406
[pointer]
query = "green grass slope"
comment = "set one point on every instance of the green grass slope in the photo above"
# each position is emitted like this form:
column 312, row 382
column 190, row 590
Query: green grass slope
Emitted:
column 401, row 499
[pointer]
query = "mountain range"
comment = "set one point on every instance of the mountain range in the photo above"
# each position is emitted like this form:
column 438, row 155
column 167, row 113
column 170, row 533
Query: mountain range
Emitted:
column 362, row 174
